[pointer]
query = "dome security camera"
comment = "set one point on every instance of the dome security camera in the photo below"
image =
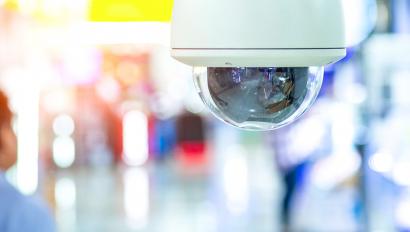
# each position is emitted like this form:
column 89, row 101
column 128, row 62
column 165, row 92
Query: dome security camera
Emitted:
column 259, row 64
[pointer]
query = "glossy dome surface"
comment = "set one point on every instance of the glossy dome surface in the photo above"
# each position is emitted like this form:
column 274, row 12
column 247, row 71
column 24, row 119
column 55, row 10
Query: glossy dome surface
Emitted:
column 258, row 98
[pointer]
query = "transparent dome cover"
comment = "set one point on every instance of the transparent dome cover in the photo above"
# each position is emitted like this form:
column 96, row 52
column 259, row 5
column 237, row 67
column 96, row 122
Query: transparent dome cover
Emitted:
column 258, row 98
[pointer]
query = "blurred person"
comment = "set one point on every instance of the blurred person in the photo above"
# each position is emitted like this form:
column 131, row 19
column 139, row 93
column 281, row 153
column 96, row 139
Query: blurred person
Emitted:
column 309, row 155
column 18, row 213
column 296, row 148
column 299, row 145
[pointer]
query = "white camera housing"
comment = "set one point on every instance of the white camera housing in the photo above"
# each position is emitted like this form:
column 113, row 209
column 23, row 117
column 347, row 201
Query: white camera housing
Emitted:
column 260, row 39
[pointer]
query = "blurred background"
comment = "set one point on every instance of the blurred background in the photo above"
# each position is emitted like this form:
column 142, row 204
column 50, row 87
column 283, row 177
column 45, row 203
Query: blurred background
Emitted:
column 112, row 134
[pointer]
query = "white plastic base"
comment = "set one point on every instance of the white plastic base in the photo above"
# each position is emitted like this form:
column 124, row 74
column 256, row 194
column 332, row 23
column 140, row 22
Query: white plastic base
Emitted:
column 258, row 57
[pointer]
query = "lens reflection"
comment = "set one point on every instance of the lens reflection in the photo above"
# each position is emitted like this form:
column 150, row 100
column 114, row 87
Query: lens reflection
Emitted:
column 268, row 95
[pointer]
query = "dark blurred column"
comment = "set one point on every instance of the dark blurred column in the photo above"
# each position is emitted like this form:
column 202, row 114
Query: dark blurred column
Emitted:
column 400, row 16
column 191, row 140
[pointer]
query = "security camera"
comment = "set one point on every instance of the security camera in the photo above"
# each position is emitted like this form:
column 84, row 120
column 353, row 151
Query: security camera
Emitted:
column 259, row 64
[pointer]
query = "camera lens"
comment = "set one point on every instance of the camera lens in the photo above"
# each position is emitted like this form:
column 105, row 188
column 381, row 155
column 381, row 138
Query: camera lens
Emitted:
column 258, row 98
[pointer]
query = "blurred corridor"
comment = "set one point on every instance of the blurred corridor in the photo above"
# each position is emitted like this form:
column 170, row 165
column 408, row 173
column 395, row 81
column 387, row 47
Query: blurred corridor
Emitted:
column 112, row 134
